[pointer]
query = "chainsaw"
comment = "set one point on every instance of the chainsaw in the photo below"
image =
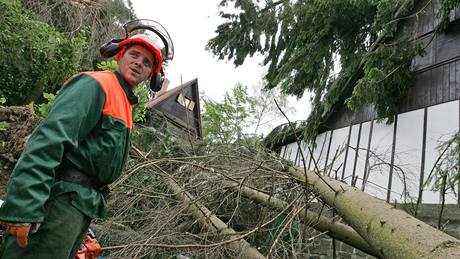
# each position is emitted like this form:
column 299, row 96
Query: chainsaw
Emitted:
column 90, row 248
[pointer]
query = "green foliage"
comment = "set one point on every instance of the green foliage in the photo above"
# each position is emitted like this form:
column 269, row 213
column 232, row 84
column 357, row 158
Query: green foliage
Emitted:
column 265, row 110
column 44, row 108
column 385, row 21
column 242, row 115
column 298, row 39
column 224, row 122
column 446, row 7
column 313, row 124
column 323, row 105
column 445, row 174
column 281, row 132
column 96, row 21
column 107, row 65
column 34, row 56
column 304, row 42
column 139, row 111
column 387, row 77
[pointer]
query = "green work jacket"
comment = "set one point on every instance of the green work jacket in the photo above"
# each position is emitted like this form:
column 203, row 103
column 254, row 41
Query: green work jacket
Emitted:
column 88, row 128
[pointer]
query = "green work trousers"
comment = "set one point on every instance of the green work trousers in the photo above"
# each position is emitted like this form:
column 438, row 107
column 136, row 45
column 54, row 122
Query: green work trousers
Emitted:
column 59, row 236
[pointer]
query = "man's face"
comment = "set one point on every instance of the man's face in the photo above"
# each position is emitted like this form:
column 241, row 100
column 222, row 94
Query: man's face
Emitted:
column 135, row 64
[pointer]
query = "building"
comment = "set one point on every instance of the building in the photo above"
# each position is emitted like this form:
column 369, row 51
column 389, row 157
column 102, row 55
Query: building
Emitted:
column 181, row 108
column 393, row 161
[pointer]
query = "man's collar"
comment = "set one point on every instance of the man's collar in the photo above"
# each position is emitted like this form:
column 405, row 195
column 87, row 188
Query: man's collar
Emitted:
column 127, row 88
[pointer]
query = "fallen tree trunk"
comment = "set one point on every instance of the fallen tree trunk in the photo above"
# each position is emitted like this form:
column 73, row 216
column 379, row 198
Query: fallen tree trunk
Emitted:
column 333, row 229
column 208, row 220
column 211, row 222
column 392, row 232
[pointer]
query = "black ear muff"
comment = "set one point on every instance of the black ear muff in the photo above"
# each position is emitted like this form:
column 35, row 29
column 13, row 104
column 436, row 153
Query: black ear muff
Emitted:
column 156, row 82
column 111, row 48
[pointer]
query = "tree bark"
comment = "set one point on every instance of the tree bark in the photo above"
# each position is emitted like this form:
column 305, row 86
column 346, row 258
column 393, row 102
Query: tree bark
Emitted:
column 333, row 229
column 321, row 223
column 211, row 222
column 392, row 232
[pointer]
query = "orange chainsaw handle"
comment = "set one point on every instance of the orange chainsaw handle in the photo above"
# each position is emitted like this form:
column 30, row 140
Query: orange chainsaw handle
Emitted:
column 91, row 249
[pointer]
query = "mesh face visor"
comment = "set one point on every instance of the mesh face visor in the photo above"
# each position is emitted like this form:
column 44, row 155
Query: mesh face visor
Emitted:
column 155, row 31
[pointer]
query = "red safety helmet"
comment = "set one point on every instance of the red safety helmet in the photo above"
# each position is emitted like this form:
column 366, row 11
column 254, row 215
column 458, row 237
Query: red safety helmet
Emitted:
column 149, row 43
column 154, row 37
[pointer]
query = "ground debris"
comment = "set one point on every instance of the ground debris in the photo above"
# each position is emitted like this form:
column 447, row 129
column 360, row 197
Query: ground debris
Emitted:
column 19, row 122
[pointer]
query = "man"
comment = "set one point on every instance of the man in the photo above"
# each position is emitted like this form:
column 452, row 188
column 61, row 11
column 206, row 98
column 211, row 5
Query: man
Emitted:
column 58, row 184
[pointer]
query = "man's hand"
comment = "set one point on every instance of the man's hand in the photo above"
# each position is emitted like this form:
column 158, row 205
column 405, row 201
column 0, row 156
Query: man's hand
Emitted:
column 20, row 231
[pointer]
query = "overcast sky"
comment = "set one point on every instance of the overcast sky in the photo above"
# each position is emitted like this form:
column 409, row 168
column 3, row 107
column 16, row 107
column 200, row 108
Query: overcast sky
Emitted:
column 191, row 24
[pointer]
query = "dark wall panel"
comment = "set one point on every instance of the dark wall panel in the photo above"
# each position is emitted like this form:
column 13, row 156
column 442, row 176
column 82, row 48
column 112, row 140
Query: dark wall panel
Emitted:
column 452, row 80
column 436, row 85
column 437, row 72
column 424, row 19
column 447, row 43
column 178, row 113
